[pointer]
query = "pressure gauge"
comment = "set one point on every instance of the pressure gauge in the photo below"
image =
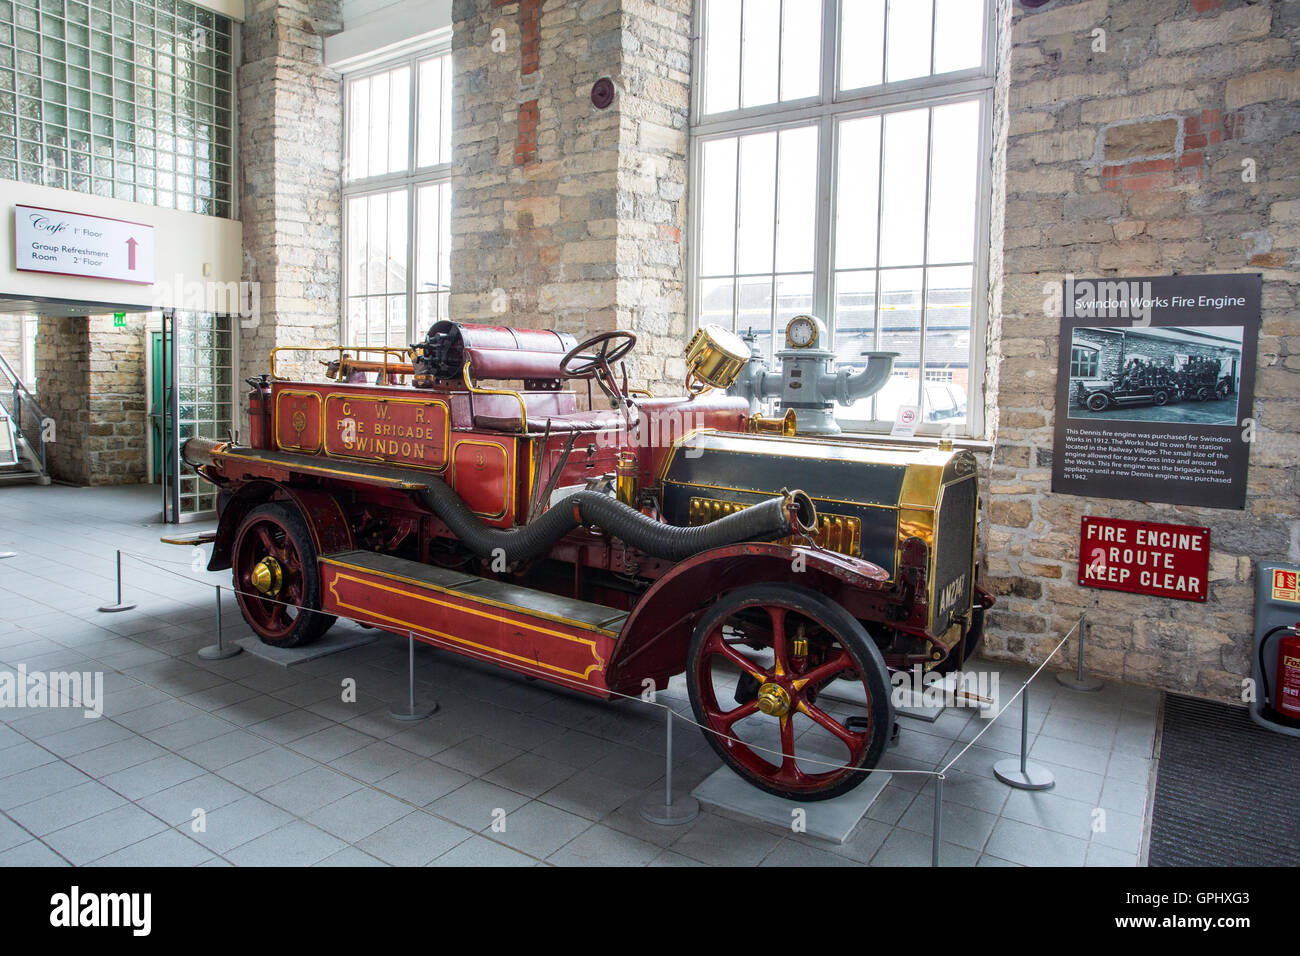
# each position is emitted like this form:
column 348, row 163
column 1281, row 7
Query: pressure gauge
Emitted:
column 801, row 333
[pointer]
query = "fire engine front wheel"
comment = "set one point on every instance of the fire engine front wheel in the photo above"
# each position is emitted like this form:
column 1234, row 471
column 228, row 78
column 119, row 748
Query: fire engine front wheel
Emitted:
column 1098, row 402
column 276, row 579
column 778, row 651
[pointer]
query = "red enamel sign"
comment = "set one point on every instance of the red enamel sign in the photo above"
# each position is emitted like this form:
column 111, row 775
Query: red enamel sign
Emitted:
column 1163, row 560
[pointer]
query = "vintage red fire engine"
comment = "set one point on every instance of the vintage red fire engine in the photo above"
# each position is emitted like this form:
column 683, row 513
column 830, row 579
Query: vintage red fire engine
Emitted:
column 610, row 549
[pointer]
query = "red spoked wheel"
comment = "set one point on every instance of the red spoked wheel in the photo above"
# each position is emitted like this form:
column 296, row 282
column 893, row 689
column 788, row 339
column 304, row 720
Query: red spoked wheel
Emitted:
column 793, row 693
column 276, row 577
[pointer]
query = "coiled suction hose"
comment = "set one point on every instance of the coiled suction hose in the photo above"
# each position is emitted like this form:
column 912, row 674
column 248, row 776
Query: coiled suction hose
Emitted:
column 793, row 513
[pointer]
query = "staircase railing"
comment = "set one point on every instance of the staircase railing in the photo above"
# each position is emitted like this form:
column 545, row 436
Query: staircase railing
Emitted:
column 23, row 410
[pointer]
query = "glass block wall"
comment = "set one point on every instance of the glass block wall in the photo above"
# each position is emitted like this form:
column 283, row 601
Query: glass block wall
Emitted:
column 124, row 98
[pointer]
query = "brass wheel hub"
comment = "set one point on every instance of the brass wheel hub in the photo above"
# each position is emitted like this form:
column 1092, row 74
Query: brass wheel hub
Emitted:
column 773, row 700
column 267, row 576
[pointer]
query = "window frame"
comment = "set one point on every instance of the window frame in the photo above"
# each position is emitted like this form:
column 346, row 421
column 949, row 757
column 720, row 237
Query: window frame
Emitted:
column 409, row 180
column 826, row 111
column 1094, row 359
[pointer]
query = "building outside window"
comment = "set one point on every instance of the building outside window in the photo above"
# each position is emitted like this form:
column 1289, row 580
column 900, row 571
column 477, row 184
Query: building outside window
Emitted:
column 397, row 199
column 1083, row 362
column 840, row 154
column 130, row 99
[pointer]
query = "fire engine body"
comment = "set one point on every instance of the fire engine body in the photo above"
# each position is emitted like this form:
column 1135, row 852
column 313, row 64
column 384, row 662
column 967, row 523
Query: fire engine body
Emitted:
column 600, row 549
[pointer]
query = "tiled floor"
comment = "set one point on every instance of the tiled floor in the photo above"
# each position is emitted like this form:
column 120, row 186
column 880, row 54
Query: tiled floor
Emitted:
column 279, row 770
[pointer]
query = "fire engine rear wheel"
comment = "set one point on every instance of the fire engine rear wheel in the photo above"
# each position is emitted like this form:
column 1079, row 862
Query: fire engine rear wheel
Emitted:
column 1098, row 402
column 1161, row 397
column 276, row 577
column 781, row 738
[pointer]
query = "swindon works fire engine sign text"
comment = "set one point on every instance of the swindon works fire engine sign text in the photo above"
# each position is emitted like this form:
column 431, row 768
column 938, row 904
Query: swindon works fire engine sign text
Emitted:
column 1163, row 560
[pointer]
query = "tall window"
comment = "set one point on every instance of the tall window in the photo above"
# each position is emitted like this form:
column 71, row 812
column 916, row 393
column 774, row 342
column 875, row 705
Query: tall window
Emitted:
column 397, row 200
column 839, row 157
column 124, row 98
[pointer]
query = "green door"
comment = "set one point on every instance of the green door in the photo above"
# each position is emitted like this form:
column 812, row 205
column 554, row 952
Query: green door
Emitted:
column 157, row 397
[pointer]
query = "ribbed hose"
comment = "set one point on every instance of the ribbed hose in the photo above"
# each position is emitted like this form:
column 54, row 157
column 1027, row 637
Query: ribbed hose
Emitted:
column 762, row 522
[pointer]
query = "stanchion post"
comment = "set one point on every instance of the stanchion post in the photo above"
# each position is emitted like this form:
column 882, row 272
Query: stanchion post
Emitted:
column 119, row 606
column 667, row 812
column 8, row 554
column 219, row 651
column 1022, row 774
column 936, row 838
column 409, row 710
column 1077, row 680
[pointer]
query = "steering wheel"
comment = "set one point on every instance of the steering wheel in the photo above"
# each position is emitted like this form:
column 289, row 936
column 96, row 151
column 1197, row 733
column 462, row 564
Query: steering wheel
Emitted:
column 579, row 362
column 602, row 359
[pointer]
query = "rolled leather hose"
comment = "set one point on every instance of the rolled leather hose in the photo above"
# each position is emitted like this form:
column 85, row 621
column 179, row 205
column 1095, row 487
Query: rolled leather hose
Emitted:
column 761, row 522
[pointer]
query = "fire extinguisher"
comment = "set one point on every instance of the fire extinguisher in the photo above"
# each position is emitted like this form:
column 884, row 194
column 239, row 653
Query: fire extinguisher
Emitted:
column 1285, row 702
column 259, row 412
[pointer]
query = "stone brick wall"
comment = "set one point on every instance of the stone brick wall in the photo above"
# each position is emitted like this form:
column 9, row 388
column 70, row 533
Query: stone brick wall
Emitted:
column 1128, row 161
column 290, row 141
column 566, row 216
column 91, row 381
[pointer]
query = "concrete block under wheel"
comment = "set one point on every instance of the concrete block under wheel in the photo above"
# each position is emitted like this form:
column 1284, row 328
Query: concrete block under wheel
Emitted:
column 832, row 820
column 333, row 641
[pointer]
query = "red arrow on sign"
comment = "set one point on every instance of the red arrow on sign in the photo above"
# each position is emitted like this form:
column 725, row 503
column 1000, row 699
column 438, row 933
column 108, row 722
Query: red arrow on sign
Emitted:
column 130, row 254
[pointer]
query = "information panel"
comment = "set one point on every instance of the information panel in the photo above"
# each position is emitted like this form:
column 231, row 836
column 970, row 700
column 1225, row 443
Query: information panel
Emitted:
column 1155, row 388
column 70, row 243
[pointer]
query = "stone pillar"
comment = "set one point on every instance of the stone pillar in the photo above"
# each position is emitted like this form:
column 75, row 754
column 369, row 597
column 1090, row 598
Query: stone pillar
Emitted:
column 63, row 390
column 1169, row 151
column 565, row 215
column 290, row 142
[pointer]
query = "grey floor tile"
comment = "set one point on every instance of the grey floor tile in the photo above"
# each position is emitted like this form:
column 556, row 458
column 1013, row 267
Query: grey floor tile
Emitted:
column 116, row 756
column 266, row 769
column 330, row 742
column 294, row 844
column 1034, row 846
column 38, row 782
column 1099, row 855
column 207, row 793
column 23, row 756
column 793, row 853
column 152, row 776
column 907, row 848
column 423, row 783
column 529, row 774
column 168, row 848
column 350, row 856
column 589, row 795
column 62, row 809
column 475, row 805
column 31, row 853
column 414, row 840
column 376, row 761
column 103, row 834
column 539, row 829
column 721, row 842
column 478, row 755
column 224, row 750
column 601, row 846
column 480, row 851
column 236, row 823
column 310, row 790
column 188, row 732
column 964, row 826
column 358, row 815
column 11, row 834
column 290, row 726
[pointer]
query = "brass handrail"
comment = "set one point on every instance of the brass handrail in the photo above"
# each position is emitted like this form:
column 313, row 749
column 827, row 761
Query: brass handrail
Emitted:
column 341, row 350
column 479, row 390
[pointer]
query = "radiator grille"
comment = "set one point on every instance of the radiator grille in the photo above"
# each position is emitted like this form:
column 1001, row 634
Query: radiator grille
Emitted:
column 954, row 543
column 834, row 532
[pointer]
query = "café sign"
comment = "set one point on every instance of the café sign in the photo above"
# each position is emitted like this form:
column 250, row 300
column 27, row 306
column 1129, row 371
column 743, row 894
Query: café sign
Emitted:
column 1144, row 557
column 71, row 243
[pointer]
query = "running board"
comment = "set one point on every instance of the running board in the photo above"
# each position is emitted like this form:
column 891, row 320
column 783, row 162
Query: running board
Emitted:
column 537, row 633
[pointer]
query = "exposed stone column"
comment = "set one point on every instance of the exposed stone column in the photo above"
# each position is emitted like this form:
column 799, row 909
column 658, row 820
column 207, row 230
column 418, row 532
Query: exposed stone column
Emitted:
column 574, row 213
column 290, row 140
column 1171, row 151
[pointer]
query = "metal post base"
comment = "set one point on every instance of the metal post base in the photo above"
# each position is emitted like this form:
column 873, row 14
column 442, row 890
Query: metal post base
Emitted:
column 683, row 809
column 114, row 608
column 1032, row 777
column 412, row 710
column 218, row 652
column 1074, row 682
column 8, row 554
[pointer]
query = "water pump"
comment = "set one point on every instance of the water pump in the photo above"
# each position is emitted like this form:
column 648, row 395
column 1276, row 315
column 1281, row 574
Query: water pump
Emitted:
column 805, row 381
